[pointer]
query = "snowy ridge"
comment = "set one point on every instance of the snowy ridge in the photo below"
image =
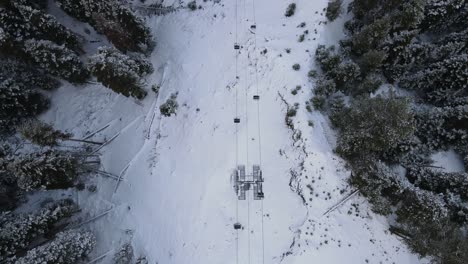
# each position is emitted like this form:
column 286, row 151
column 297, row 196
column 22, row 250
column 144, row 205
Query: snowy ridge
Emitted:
column 176, row 202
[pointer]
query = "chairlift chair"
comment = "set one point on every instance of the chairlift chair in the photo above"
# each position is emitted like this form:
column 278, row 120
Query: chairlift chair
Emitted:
column 237, row 120
column 256, row 97
column 236, row 46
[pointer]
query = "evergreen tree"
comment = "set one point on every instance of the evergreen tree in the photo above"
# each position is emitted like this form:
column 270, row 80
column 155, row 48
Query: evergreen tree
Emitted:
column 48, row 169
column 68, row 247
column 122, row 27
column 25, row 75
column 57, row 59
column 17, row 232
column 18, row 102
column 370, row 126
column 120, row 72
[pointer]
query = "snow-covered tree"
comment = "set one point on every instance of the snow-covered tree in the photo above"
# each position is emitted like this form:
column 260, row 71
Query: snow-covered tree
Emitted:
column 370, row 126
column 333, row 9
column 48, row 169
column 25, row 75
column 124, row 255
column 41, row 133
column 57, row 59
column 123, row 28
column 18, row 231
column 120, row 72
column 170, row 106
column 18, row 102
column 68, row 247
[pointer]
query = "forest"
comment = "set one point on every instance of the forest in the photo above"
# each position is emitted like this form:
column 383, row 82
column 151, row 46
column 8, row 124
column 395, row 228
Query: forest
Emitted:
column 37, row 55
column 395, row 89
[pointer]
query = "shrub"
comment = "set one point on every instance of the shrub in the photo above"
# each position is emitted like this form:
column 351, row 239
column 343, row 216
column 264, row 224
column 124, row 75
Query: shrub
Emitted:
column 120, row 72
column 301, row 38
column 296, row 67
column 333, row 9
column 170, row 106
column 312, row 74
column 290, row 10
column 192, row 5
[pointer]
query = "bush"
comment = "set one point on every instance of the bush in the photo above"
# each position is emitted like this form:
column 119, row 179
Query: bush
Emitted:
column 170, row 106
column 334, row 9
column 290, row 10
column 325, row 87
column 120, row 72
column 192, row 5
column 296, row 67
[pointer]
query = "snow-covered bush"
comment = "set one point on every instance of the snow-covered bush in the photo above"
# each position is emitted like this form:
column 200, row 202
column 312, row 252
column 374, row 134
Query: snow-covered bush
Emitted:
column 17, row 232
column 170, row 106
column 18, row 102
column 120, row 72
column 290, row 10
column 325, row 87
column 68, row 247
column 48, row 169
column 370, row 126
column 41, row 133
column 372, row 60
column 123, row 28
column 56, row 59
column 124, row 255
column 333, row 9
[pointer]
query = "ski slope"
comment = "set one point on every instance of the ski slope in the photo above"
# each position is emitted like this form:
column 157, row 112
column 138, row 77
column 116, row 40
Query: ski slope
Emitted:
column 176, row 203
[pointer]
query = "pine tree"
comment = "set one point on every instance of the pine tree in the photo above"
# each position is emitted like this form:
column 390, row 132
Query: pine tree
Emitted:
column 56, row 59
column 43, row 134
column 120, row 72
column 48, row 169
column 123, row 28
column 18, row 102
column 370, row 126
column 18, row 231
column 124, row 255
column 25, row 75
column 68, row 247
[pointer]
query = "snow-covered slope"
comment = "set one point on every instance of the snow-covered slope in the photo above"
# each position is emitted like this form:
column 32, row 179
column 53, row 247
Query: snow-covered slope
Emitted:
column 176, row 200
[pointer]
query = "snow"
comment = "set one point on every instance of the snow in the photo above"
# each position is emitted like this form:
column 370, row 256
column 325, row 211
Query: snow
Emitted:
column 449, row 161
column 176, row 202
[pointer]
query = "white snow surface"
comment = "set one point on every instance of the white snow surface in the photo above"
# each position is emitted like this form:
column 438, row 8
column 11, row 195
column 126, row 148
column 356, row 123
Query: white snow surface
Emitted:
column 176, row 202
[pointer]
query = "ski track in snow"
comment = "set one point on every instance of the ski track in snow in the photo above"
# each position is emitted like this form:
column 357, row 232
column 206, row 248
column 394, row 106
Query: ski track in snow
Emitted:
column 176, row 202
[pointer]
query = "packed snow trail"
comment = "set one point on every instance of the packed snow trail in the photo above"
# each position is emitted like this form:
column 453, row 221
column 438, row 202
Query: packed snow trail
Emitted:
column 176, row 202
